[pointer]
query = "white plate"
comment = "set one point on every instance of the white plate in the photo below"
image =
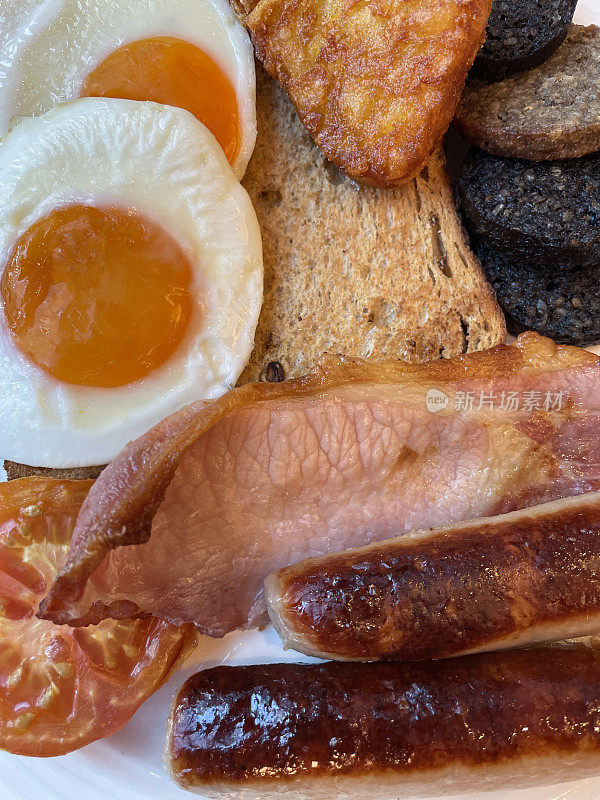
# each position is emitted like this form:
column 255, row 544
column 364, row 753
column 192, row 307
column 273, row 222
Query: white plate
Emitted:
column 128, row 765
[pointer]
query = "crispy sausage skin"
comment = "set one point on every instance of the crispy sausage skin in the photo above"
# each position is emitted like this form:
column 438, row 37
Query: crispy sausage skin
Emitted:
column 339, row 730
column 494, row 583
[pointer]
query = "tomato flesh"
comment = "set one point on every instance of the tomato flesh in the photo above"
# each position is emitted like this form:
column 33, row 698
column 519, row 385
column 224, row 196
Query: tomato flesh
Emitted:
column 60, row 687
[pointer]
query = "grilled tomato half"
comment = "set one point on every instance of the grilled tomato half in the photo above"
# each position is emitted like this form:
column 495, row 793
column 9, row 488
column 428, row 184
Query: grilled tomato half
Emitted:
column 60, row 687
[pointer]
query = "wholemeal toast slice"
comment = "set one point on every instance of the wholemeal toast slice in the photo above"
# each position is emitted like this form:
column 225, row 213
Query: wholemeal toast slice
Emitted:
column 375, row 84
column 356, row 270
column 550, row 112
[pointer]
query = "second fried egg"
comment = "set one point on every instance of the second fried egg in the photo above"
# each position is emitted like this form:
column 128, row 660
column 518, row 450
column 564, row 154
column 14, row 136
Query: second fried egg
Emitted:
column 187, row 53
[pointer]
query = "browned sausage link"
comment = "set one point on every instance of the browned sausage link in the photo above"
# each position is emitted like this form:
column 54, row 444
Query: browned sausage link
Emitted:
column 257, row 724
column 529, row 576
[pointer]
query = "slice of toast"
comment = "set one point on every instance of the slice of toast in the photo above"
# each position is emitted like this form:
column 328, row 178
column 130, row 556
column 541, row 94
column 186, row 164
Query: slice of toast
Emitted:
column 355, row 270
column 550, row 112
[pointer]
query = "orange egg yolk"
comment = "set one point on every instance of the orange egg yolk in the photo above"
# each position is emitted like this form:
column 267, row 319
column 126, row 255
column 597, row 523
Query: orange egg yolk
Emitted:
column 175, row 73
column 97, row 296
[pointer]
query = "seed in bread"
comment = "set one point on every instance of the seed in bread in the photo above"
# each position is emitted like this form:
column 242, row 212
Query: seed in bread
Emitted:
column 546, row 211
column 521, row 34
column 356, row 270
column 376, row 85
column 547, row 113
column 562, row 304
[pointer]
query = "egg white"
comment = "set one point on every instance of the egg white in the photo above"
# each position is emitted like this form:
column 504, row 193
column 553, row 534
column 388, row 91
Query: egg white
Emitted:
column 162, row 162
column 49, row 47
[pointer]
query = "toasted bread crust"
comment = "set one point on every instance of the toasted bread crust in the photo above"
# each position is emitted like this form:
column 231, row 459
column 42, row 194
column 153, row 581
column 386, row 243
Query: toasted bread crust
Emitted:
column 355, row 270
column 376, row 84
column 551, row 112
column 14, row 471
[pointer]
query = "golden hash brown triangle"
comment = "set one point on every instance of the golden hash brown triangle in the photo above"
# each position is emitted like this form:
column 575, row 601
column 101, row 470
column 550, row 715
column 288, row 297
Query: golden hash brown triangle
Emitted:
column 375, row 83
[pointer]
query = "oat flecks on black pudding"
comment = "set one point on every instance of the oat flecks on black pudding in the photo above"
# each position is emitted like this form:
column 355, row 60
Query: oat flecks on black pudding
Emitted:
column 14, row 471
column 548, row 212
column 549, row 112
column 522, row 34
column 562, row 304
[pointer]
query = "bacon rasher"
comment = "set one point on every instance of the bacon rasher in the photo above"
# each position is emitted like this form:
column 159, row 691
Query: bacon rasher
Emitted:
column 189, row 519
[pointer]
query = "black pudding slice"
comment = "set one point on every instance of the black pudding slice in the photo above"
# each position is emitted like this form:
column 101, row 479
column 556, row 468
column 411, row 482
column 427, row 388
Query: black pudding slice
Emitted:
column 547, row 211
column 562, row 304
column 522, row 34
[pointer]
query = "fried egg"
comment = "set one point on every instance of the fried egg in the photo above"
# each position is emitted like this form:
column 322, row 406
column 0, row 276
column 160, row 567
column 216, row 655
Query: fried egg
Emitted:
column 187, row 53
column 130, row 276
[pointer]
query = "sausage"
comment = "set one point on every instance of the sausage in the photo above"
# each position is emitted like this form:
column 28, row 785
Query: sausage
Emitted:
column 493, row 583
column 341, row 730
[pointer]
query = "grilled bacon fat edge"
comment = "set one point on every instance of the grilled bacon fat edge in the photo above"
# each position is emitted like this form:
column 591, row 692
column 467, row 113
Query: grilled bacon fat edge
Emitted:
column 387, row 730
column 494, row 583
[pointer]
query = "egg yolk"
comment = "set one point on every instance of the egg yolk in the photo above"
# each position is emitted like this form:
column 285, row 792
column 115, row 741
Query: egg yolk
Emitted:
column 97, row 296
column 175, row 73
